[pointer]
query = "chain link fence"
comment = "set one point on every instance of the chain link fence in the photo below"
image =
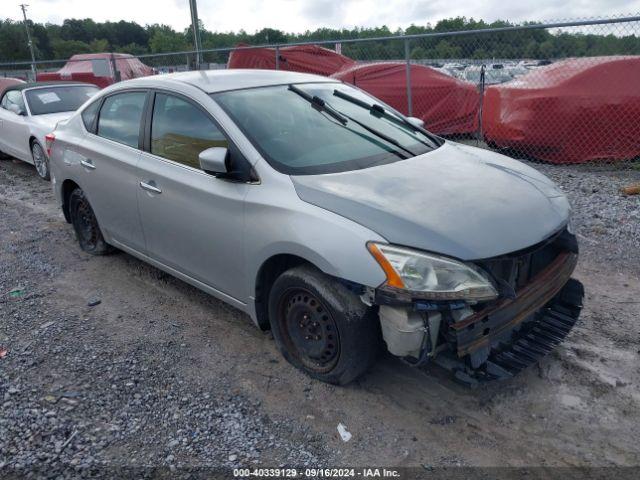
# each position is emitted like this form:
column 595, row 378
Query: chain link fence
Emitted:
column 566, row 92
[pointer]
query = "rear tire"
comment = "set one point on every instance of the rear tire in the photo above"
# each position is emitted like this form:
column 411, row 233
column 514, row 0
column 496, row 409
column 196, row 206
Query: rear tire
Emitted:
column 86, row 225
column 321, row 327
column 40, row 160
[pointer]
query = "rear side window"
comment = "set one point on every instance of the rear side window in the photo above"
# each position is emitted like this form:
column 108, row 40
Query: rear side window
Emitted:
column 89, row 115
column 180, row 131
column 120, row 116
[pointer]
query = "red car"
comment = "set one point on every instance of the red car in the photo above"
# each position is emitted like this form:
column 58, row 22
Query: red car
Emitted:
column 97, row 68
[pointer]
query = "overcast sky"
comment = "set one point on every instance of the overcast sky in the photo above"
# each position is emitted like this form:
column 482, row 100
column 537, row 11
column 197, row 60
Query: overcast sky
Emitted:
column 300, row 15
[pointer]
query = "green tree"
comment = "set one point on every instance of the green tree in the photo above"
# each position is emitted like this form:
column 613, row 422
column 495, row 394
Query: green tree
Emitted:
column 268, row 35
column 13, row 41
column 64, row 49
column 445, row 50
column 85, row 35
column 418, row 53
column 165, row 39
column 99, row 45
column 133, row 49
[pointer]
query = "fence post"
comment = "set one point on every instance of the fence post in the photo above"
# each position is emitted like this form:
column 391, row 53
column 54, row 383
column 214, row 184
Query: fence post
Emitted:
column 408, row 75
column 277, row 58
column 479, row 135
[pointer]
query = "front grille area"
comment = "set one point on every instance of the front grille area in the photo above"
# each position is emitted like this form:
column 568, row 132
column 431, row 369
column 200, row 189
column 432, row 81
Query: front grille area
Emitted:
column 514, row 271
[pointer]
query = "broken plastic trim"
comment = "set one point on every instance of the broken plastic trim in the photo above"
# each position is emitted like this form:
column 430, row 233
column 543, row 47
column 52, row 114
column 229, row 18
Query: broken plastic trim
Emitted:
column 477, row 331
column 548, row 328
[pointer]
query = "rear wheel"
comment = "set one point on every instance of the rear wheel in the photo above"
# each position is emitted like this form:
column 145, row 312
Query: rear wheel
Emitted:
column 86, row 225
column 40, row 160
column 321, row 327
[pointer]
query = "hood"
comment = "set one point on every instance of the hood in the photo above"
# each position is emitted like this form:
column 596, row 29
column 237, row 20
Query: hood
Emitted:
column 457, row 200
column 50, row 120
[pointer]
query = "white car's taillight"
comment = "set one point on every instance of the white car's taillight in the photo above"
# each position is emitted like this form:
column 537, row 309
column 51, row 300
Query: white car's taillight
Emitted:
column 49, row 138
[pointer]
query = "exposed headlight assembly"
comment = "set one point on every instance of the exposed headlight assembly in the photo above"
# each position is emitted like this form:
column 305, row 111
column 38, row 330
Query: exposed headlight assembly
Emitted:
column 431, row 276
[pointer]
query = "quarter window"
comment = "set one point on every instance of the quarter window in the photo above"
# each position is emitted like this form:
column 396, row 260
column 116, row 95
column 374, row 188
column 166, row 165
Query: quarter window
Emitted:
column 180, row 131
column 120, row 116
column 89, row 115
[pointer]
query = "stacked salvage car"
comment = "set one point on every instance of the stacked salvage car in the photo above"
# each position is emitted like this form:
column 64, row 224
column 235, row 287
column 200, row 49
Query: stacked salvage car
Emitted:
column 572, row 111
column 447, row 105
column 304, row 58
column 98, row 69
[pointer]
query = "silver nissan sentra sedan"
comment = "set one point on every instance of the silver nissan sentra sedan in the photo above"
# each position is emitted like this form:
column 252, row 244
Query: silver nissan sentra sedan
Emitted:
column 328, row 217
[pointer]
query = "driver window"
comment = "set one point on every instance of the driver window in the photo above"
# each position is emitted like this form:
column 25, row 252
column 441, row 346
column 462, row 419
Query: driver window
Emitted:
column 180, row 131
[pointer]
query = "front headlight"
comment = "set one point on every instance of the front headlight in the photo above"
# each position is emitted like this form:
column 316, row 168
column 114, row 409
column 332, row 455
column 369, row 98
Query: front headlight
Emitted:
column 431, row 276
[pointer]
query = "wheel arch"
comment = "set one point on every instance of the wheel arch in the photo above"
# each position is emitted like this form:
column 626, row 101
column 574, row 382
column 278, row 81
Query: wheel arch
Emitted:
column 271, row 269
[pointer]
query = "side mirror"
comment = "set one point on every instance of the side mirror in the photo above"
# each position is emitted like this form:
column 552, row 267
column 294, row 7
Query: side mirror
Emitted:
column 214, row 160
column 415, row 121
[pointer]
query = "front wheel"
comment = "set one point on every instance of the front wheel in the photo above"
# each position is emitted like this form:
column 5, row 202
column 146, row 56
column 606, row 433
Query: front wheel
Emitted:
column 321, row 327
column 86, row 225
column 40, row 160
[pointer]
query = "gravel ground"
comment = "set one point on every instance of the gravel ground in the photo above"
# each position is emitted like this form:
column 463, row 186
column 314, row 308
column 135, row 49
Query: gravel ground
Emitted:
column 155, row 374
column 607, row 222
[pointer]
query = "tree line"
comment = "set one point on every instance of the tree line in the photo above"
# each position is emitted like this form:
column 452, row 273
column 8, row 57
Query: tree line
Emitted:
column 53, row 41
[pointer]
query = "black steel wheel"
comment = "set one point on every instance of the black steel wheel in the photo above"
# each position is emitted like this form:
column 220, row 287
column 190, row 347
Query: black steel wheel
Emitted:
column 86, row 225
column 309, row 330
column 322, row 327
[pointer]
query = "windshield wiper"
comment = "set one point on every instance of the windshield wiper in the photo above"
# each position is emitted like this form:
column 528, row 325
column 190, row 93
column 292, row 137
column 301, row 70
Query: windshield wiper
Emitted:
column 379, row 111
column 378, row 133
column 319, row 104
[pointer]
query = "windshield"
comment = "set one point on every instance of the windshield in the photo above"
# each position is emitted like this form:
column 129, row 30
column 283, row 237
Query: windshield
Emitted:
column 58, row 99
column 298, row 136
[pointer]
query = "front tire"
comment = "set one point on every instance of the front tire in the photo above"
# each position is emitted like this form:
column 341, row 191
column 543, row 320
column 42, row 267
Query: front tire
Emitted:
column 86, row 225
column 40, row 161
column 321, row 327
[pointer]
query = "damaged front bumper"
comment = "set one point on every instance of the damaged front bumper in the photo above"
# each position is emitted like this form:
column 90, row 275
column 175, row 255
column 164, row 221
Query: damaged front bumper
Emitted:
column 490, row 342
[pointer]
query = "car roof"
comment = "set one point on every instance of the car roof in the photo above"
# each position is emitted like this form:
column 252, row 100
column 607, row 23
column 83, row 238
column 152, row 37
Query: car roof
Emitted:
column 25, row 86
column 212, row 81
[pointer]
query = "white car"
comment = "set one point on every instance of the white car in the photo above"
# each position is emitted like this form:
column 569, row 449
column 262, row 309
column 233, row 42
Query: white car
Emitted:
column 29, row 111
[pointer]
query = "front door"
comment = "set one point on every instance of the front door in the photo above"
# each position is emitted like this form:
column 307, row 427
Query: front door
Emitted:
column 193, row 222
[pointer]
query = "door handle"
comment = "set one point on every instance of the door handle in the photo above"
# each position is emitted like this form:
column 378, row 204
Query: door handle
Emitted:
column 87, row 164
column 149, row 187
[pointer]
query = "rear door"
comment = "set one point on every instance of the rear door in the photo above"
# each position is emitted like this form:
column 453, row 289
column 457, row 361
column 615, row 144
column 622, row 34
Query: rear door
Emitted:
column 108, row 171
column 193, row 222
